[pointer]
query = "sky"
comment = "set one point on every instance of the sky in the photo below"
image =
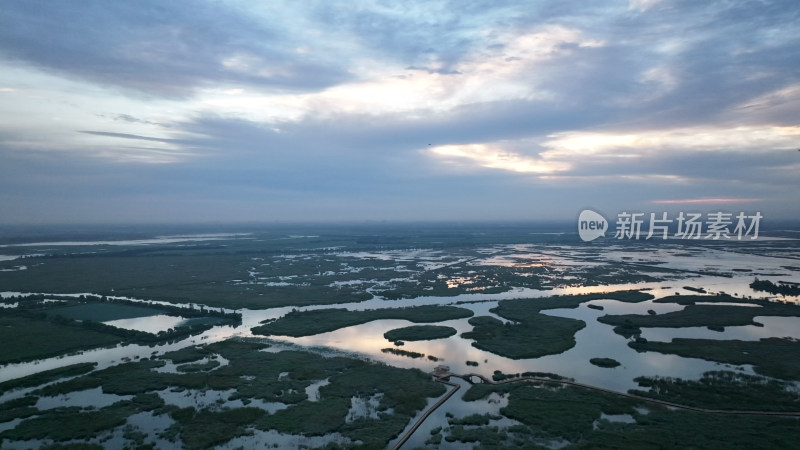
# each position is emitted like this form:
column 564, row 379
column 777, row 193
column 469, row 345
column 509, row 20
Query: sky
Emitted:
column 297, row 111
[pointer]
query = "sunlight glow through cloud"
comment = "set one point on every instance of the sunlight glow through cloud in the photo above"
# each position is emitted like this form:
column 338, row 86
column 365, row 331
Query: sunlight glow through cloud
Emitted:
column 482, row 76
column 492, row 157
column 609, row 144
column 642, row 5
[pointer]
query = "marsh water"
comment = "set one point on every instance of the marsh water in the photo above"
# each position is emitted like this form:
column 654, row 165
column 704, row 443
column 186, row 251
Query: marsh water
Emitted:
column 366, row 340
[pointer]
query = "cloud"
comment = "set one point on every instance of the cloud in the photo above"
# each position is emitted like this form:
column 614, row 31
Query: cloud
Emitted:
column 691, row 139
column 404, row 110
column 131, row 119
column 713, row 201
column 480, row 76
column 161, row 49
column 128, row 136
column 642, row 5
column 494, row 157
column 778, row 107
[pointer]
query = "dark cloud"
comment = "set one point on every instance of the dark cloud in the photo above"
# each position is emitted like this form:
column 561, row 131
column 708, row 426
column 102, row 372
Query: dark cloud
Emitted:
column 131, row 119
column 128, row 136
column 159, row 48
column 403, row 32
column 719, row 54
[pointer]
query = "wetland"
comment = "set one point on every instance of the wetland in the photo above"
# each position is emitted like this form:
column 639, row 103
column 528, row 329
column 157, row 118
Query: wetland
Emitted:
column 328, row 336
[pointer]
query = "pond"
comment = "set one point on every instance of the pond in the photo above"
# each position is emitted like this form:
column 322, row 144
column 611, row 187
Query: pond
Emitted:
column 148, row 324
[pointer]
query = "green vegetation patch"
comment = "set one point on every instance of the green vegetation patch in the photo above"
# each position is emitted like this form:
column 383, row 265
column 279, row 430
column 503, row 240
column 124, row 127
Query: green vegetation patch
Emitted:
column 524, row 308
column 533, row 335
column 188, row 354
column 691, row 299
column 206, row 429
column 420, row 333
column 489, row 437
column 473, row 429
column 307, row 323
column 500, row 376
column 769, row 307
column 402, row 393
column 775, row 357
column 474, row 420
column 576, row 415
column 69, row 423
column 26, row 338
column 197, row 274
column 77, row 446
column 401, row 352
column 103, row 312
column 564, row 412
column 782, row 288
column 124, row 379
column 704, row 315
column 723, row 390
column 47, row 376
column 199, row 367
column 605, row 362
column 18, row 408
column 250, row 374
column 537, row 336
column 64, row 424
column 36, row 330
